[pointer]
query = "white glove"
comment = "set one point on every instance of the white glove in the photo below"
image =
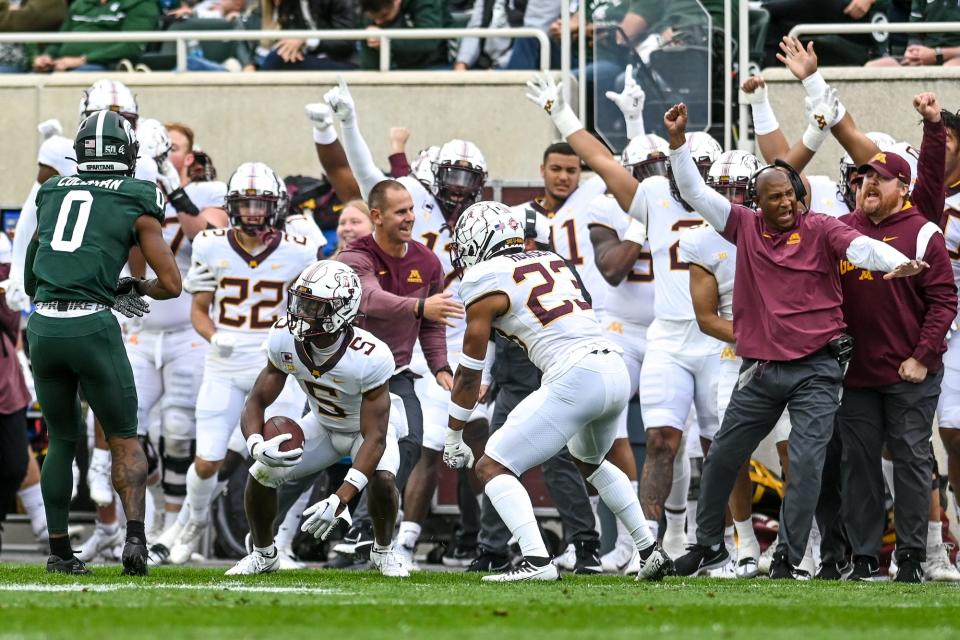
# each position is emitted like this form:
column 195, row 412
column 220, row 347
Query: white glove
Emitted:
column 50, row 128
column 548, row 95
column 224, row 344
column 17, row 299
column 630, row 102
column 456, row 454
column 199, row 278
column 268, row 452
column 321, row 117
column 324, row 519
column 820, row 114
column 168, row 177
column 341, row 102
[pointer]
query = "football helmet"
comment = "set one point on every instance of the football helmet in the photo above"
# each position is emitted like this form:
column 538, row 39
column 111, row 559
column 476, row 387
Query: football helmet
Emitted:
column 154, row 139
column 647, row 156
column 704, row 150
column 253, row 198
column 730, row 174
column 283, row 202
column 323, row 300
column 106, row 143
column 111, row 95
column 848, row 168
column 422, row 167
column 202, row 169
column 459, row 173
column 486, row 229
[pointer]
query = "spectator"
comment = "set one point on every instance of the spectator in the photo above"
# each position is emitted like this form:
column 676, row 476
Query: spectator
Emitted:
column 833, row 49
column 355, row 222
column 291, row 54
column 210, row 9
column 489, row 53
column 405, row 14
column 28, row 15
column 926, row 49
column 99, row 16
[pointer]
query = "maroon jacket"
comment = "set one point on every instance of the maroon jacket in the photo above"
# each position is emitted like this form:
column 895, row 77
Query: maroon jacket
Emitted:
column 392, row 289
column 892, row 320
column 14, row 395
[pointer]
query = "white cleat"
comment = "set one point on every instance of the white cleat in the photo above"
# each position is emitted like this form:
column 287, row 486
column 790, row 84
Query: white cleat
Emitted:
column 726, row 571
column 160, row 548
column 618, row 558
column 937, row 568
column 287, row 561
column 747, row 561
column 255, row 563
column 567, row 560
column 98, row 480
column 657, row 565
column 188, row 542
column 635, row 564
column 766, row 559
column 526, row 572
column 101, row 544
column 405, row 556
column 389, row 564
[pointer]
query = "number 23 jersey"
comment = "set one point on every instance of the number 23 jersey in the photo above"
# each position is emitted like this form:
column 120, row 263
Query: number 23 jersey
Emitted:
column 335, row 388
column 547, row 316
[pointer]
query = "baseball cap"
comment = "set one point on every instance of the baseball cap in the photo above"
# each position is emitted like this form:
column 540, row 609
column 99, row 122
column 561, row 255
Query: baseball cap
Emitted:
column 889, row 165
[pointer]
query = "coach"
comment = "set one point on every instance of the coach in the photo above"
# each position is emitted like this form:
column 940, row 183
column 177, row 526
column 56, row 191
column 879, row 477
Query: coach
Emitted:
column 893, row 384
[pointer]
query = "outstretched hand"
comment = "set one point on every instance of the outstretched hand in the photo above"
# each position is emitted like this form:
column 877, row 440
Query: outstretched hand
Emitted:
column 801, row 61
column 907, row 269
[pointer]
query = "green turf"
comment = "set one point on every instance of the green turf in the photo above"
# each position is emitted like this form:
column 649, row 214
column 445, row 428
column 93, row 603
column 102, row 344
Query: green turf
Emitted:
column 454, row 605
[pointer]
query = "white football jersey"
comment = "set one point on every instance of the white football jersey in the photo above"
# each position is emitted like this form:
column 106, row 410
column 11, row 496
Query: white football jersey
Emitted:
column 548, row 315
column 705, row 247
column 951, row 228
column 251, row 290
column 633, row 299
column 300, row 225
column 825, row 197
column 571, row 238
column 334, row 389
column 6, row 248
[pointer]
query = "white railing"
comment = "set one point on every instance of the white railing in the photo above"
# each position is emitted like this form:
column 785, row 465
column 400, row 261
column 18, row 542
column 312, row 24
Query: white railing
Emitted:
column 181, row 38
column 841, row 29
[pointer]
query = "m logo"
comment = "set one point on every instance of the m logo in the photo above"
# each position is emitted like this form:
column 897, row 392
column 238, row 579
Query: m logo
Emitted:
column 414, row 277
column 794, row 238
column 728, row 354
column 821, row 121
column 616, row 327
column 866, row 275
column 881, row 157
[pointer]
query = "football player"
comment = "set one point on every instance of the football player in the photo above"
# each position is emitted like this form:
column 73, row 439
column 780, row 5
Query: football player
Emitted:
column 240, row 277
column 535, row 300
column 345, row 372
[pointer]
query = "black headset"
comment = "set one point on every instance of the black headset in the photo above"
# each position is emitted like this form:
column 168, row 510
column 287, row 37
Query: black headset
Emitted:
column 795, row 181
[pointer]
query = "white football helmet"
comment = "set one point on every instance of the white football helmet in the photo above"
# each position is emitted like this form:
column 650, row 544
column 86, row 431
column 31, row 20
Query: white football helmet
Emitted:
column 154, row 139
column 283, row 203
column 647, row 155
column 254, row 197
column 422, row 167
column 704, row 150
column 485, row 229
column 848, row 169
column 730, row 174
column 459, row 173
column 324, row 300
column 110, row 95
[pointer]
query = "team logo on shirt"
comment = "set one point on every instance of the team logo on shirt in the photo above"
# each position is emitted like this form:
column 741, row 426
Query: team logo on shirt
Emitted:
column 794, row 238
column 414, row 277
column 287, row 359
column 728, row 354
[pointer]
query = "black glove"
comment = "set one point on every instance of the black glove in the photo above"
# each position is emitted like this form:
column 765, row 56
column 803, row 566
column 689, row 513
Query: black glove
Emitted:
column 128, row 299
column 182, row 202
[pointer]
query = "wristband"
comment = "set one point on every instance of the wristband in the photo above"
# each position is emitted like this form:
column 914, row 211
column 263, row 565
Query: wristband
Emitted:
column 325, row 136
column 566, row 122
column 814, row 137
column 459, row 413
column 421, row 304
column 938, row 52
column 635, row 126
column 356, row 478
column 471, row 363
column 764, row 120
column 636, row 232
column 253, row 441
column 814, row 84
column 182, row 202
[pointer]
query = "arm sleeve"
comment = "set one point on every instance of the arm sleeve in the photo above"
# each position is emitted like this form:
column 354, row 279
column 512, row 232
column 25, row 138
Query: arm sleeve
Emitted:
column 26, row 227
column 928, row 191
column 469, row 50
column 714, row 208
column 361, row 161
column 399, row 165
column 873, row 255
column 142, row 17
column 376, row 302
column 433, row 335
column 939, row 294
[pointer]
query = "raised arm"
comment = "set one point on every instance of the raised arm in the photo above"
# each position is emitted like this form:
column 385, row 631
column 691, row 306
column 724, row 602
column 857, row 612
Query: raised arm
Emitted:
column 928, row 192
column 330, row 152
column 361, row 161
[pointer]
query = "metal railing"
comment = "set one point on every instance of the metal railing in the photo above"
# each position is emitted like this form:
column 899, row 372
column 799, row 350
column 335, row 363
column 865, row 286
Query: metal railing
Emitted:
column 841, row 29
column 181, row 38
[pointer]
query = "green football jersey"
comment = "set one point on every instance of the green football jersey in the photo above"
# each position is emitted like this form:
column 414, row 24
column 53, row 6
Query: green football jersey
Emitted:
column 85, row 228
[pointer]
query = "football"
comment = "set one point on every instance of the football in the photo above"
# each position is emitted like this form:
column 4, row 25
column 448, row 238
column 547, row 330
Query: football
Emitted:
column 278, row 426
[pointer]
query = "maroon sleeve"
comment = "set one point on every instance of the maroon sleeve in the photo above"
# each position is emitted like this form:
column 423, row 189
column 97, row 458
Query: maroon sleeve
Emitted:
column 433, row 335
column 9, row 319
column 928, row 192
column 399, row 166
column 738, row 215
column 939, row 294
column 836, row 234
column 375, row 302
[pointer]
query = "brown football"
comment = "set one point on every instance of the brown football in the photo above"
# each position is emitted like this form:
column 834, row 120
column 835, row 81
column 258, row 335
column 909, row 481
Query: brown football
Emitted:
column 278, row 426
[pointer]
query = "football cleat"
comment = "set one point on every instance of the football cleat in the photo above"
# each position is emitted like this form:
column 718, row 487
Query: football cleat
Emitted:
column 700, row 558
column 463, row 555
column 488, row 561
column 635, row 564
column 587, row 557
column 937, row 568
column 160, row 550
column 72, row 565
column 865, row 569
column 287, row 561
column 188, row 542
column 254, row 563
column 134, row 557
column 568, row 559
column 406, row 557
column 102, row 544
column 727, row 571
column 389, row 563
column 909, row 568
column 541, row 570
column 746, row 567
column 618, row 559
column 656, row 565
column 99, row 483
column 766, row 558
column 357, row 542
column 833, row 570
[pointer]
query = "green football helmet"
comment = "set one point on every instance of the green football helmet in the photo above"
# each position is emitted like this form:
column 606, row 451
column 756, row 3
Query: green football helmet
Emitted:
column 106, row 143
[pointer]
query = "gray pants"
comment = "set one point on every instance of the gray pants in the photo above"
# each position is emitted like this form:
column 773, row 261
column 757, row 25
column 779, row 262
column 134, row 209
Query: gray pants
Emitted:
column 566, row 485
column 810, row 387
column 900, row 415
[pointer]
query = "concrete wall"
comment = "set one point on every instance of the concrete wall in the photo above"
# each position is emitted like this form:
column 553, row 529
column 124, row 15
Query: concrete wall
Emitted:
column 242, row 117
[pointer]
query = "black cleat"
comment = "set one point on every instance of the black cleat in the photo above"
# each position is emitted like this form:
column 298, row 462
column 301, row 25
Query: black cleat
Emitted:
column 134, row 557
column 909, row 568
column 71, row 566
column 833, row 570
column 463, row 555
column 588, row 557
column 489, row 561
column 865, row 569
column 780, row 568
column 699, row 559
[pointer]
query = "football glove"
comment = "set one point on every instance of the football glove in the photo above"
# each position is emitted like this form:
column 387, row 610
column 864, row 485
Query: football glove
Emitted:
column 548, row 95
column 456, row 454
column 17, row 299
column 323, row 518
column 128, row 299
column 341, row 102
column 268, row 452
column 199, row 278
column 821, row 113
column 223, row 344
column 630, row 102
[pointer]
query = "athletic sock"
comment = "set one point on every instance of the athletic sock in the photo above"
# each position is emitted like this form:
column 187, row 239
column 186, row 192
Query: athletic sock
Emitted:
column 269, row 551
column 614, row 488
column 409, row 534
column 169, row 518
column 675, row 522
column 746, row 538
column 934, row 535
column 654, row 528
column 728, row 539
column 32, row 499
column 680, row 487
column 692, row 520
column 291, row 521
column 135, row 530
column 60, row 547
column 513, row 504
column 100, row 457
column 595, row 506
column 200, row 490
column 184, row 514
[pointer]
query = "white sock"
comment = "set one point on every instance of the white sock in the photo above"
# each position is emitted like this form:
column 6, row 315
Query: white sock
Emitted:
column 615, row 491
column 746, row 538
column 184, row 515
column 409, row 534
column 150, row 512
column 887, row 467
column 291, row 522
column 511, row 501
column 32, row 499
column 654, row 527
column 594, row 505
column 675, row 523
column 108, row 529
column 100, row 457
column 200, row 493
column 934, row 534
column 680, row 488
column 692, row 521
column 268, row 551
column 728, row 539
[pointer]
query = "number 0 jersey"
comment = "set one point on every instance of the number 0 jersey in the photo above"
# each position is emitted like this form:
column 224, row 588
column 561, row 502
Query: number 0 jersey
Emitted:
column 547, row 316
column 251, row 290
column 85, row 226
column 335, row 388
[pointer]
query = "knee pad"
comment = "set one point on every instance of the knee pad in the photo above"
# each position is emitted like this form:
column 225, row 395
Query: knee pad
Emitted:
column 177, row 456
column 178, row 423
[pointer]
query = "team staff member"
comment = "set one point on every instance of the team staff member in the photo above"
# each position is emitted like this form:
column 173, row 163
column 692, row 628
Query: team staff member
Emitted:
column 893, row 384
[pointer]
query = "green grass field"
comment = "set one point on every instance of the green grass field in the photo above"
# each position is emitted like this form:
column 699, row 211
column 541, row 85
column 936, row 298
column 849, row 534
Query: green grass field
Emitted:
column 202, row 603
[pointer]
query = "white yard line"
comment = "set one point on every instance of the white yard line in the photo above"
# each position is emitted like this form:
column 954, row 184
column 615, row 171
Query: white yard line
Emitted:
column 223, row 586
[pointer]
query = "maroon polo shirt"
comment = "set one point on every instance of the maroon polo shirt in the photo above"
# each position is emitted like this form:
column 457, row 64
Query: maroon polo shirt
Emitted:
column 786, row 296
column 14, row 395
column 392, row 288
